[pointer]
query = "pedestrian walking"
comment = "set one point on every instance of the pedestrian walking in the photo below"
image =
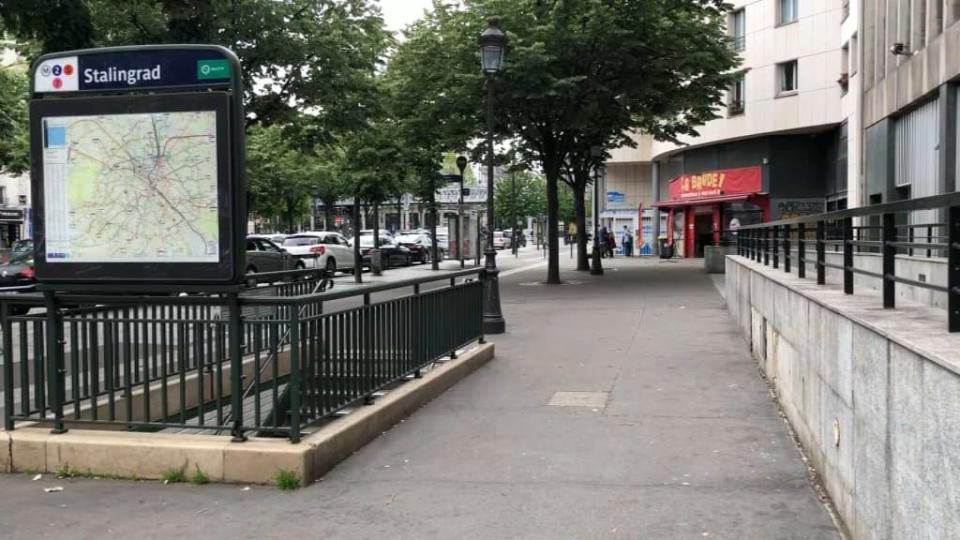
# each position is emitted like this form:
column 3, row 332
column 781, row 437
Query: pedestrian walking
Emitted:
column 627, row 242
column 601, row 241
column 611, row 244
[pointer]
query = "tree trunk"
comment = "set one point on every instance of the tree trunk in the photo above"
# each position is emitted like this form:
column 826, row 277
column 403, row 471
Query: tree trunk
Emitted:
column 328, row 216
column 552, row 172
column 580, row 206
column 357, row 258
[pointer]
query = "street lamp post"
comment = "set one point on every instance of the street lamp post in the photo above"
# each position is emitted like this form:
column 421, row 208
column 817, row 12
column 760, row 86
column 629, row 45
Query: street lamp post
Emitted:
column 493, row 43
column 596, row 268
column 462, row 165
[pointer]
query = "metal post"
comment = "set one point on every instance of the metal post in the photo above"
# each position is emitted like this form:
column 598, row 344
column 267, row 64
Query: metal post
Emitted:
column 821, row 253
column 460, row 222
column 596, row 266
column 776, row 247
column 801, row 251
column 492, row 315
column 295, row 373
column 7, row 365
column 786, row 248
column 55, row 372
column 434, row 255
column 953, row 266
column 848, row 255
column 766, row 246
column 235, row 334
column 889, row 260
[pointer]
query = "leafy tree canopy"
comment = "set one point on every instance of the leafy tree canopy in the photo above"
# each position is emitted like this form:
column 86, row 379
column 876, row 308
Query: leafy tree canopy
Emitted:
column 315, row 56
column 578, row 73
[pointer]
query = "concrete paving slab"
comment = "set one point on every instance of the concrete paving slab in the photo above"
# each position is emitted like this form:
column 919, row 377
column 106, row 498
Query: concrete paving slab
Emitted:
column 706, row 456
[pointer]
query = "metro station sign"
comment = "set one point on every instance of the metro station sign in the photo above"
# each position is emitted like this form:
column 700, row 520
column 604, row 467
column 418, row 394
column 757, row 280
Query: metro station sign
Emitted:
column 715, row 183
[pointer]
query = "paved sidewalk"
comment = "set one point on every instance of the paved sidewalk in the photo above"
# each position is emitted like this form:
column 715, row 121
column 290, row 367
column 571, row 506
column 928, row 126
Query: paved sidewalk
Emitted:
column 686, row 444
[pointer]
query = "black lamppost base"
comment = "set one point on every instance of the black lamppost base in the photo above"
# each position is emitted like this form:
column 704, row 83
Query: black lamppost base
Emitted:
column 493, row 321
column 596, row 269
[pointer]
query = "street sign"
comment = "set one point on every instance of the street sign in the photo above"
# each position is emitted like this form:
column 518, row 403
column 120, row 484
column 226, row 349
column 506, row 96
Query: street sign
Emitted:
column 465, row 191
column 132, row 186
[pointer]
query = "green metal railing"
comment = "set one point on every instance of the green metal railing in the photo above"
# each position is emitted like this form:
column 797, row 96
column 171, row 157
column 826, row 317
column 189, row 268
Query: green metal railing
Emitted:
column 270, row 360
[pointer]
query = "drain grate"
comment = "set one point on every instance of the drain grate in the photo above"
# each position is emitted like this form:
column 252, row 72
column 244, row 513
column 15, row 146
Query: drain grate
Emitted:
column 594, row 400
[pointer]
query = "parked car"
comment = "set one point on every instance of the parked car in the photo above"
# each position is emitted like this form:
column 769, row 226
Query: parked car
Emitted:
column 419, row 245
column 265, row 256
column 17, row 275
column 276, row 238
column 500, row 240
column 320, row 249
column 391, row 253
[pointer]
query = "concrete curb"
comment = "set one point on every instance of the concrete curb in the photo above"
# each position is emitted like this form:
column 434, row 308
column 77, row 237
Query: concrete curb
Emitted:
column 149, row 455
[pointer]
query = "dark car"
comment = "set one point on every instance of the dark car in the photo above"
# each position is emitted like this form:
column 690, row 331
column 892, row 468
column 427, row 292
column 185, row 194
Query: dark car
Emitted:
column 265, row 256
column 419, row 245
column 391, row 253
column 17, row 276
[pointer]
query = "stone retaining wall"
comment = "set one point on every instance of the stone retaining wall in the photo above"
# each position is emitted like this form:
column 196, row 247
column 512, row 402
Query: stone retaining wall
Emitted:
column 873, row 394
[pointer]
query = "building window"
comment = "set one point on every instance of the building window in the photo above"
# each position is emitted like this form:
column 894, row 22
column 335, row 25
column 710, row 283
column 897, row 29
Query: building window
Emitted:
column 736, row 101
column 844, row 80
column 854, row 59
column 787, row 77
column 3, row 195
column 786, row 11
column 738, row 28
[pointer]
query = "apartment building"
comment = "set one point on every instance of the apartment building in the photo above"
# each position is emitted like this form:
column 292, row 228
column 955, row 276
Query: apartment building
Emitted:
column 911, row 63
column 787, row 140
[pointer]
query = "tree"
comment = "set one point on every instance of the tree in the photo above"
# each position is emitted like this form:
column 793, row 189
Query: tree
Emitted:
column 14, row 122
column 281, row 180
column 576, row 71
column 317, row 56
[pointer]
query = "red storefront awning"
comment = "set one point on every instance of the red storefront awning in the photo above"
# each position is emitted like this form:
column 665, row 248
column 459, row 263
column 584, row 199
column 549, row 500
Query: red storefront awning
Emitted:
column 705, row 201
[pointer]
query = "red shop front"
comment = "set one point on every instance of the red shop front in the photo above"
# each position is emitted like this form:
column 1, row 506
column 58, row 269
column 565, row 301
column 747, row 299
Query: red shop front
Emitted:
column 712, row 201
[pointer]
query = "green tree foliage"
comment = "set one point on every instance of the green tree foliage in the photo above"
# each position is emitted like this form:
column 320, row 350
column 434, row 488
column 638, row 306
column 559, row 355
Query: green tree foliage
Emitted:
column 280, row 180
column 14, row 123
column 317, row 56
column 577, row 73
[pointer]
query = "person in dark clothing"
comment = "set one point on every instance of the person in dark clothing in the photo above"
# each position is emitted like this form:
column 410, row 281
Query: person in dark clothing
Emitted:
column 602, row 241
column 611, row 243
column 627, row 241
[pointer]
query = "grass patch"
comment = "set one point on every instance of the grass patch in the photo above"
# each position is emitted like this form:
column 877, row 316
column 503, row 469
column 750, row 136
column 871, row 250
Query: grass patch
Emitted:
column 174, row 476
column 287, row 480
column 199, row 478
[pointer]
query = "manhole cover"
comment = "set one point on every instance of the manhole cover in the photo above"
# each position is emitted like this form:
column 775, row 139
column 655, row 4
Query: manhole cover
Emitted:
column 594, row 400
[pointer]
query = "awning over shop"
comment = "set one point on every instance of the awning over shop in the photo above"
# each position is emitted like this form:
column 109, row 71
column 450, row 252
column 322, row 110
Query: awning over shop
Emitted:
column 706, row 201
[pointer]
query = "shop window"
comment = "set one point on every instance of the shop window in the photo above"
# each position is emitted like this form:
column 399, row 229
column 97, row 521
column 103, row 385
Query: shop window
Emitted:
column 737, row 95
column 786, row 11
column 787, row 77
column 738, row 29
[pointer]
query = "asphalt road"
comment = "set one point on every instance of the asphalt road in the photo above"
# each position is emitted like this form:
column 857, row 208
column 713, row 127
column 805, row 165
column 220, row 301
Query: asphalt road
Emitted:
column 681, row 440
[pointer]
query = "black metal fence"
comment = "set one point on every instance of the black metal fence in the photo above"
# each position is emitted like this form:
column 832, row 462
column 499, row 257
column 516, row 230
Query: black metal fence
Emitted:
column 883, row 229
column 270, row 360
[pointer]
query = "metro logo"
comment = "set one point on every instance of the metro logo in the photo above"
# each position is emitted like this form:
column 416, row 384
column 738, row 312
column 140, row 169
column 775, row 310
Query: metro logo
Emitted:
column 57, row 75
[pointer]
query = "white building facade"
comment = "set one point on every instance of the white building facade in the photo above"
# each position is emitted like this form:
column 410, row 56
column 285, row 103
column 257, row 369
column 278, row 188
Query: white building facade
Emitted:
column 786, row 141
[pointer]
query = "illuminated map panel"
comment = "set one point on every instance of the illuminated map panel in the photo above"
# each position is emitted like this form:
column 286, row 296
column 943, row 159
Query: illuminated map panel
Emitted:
column 131, row 188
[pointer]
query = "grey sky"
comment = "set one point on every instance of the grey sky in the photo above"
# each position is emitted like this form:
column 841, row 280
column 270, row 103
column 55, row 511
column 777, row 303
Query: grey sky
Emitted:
column 399, row 13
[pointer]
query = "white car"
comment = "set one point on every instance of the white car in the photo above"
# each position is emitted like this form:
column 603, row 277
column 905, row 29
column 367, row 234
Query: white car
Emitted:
column 320, row 249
